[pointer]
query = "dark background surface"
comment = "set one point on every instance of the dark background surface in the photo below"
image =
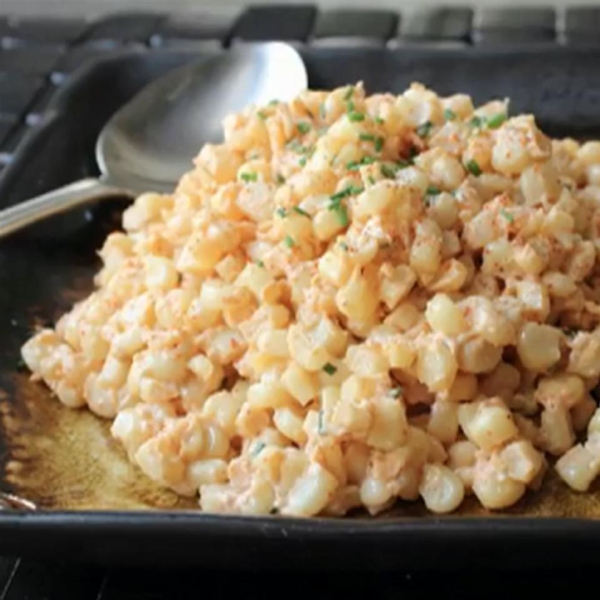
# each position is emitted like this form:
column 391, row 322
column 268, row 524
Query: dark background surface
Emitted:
column 27, row 580
column 38, row 57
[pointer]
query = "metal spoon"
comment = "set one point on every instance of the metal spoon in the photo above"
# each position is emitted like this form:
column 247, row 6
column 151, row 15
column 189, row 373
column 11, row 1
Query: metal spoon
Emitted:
column 150, row 142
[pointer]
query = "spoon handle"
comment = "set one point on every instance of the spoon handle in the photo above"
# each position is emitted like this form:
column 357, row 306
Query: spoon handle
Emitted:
column 60, row 200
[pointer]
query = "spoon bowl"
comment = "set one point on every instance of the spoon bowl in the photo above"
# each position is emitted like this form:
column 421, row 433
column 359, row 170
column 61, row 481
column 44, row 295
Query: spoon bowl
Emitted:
column 138, row 150
column 150, row 142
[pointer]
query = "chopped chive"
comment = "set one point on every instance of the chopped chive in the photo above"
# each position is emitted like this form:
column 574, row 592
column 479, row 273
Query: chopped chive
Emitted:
column 289, row 242
column 366, row 137
column 273, row 102
column 260, row 263
column 281, row 212
column 397, row 391
column 329, row 369
column 300, row 211
column 296, row 146
column 349, row 93
column 449, row 115
column 302, row 161
column 321, row 424
column 388, row 172
column 322, row 111
column 508, row 216
column 474, row 168
column 424, row 129
column 280, row 178
column 355, row 117
column 379, row 144
column 339, row 195
column 497, row 120
column 248, row 177
column 371, row 179
column 354, row 165
column 379, row 120
column 344, row 246
column 349, row 191
column 258, row 449
column 261, row 115
column 303, row 127
column 432, row 190
column 342, row 214
column 349, row 106
column 403, row 164
column 477, row 122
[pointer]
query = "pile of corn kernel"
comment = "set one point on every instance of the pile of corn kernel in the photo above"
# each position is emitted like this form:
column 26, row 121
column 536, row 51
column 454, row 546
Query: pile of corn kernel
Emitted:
column 353, row 300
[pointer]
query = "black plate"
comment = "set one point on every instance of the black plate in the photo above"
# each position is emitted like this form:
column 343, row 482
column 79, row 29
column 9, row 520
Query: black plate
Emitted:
column 95, row 506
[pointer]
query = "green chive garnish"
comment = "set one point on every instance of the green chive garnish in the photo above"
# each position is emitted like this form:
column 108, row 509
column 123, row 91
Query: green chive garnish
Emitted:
column 258, row 448
column 248, row 177
column 371, row 179
column 303, row 127
column 497, row 120
column 432, row 190
column 289, row 242
column 302, row 161
column 355, row 117
column 349, row 93
column 508, row 216
column 388, row 172
column 366, row 137
column 329, row 369
column 340, row 211
column 397, row 391
column 280, row 178
column 424, row 129
column 379, row 144
column 261, row 264
column 281, row 212
column 379, row 120
column 349, row 191
column 301, row 211
column 344, row 246
column 476, row 122
column 449, row 115
column 321, row 424
column 322, row 111
column 296, row 146
column 274, row 102
column 354, row 165
column 261, row 115
column 474, row 168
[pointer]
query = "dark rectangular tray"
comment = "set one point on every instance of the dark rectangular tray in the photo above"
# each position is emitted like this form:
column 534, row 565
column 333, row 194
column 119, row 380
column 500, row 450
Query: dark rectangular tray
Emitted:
column 45, row 269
